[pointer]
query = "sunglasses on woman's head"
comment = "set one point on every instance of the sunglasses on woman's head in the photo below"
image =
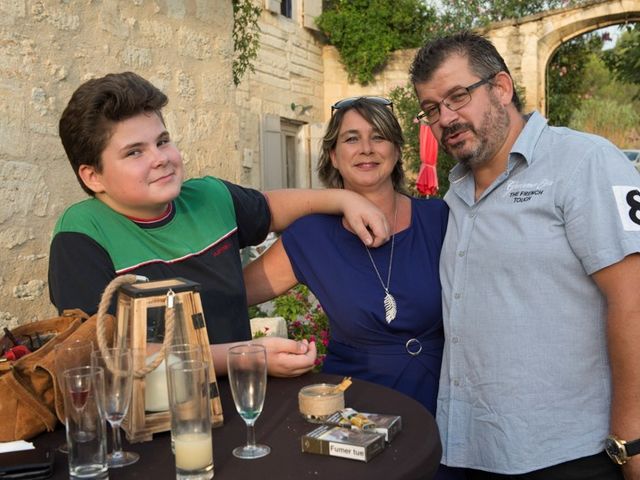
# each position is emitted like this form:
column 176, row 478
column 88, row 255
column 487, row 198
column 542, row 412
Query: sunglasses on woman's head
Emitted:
column 347, row 102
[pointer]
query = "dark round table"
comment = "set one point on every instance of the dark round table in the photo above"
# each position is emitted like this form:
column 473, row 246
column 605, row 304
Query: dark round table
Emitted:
column 414, row 453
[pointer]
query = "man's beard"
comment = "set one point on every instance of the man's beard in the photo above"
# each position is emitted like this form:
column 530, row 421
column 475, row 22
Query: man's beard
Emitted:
column 490, row 135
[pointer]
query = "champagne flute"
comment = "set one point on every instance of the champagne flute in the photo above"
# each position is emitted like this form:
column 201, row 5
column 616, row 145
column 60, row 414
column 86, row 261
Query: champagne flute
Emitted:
column 117, row 364
column 247, row 371
column 68, row 355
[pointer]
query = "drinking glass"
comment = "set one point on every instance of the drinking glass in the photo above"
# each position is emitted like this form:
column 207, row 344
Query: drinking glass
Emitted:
column 190, row 406
column 117, row 364
column 66, row 356
column 83, row 393
column 156, row 398
column 247, row 371
column 182, row 352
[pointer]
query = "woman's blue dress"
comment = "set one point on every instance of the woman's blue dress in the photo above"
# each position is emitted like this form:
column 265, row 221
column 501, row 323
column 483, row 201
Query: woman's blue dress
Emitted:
column 334, row 264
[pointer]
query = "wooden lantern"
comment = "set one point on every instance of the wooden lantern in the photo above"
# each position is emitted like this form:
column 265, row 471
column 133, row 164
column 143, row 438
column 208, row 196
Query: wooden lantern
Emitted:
column 141, row 311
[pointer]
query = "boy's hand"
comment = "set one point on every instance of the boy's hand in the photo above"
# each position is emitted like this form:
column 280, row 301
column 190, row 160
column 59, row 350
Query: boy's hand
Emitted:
column 288, row 358
column 365, row 220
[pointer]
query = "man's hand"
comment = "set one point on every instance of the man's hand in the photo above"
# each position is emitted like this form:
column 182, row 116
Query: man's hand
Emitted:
column 631, row 469
column 365, row 220
column 288, row 358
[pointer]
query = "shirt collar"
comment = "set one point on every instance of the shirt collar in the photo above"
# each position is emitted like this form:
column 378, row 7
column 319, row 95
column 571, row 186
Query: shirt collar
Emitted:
column 526, row 142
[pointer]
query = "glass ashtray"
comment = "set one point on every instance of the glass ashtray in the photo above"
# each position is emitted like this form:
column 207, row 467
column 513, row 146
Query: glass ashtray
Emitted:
column 319, row 401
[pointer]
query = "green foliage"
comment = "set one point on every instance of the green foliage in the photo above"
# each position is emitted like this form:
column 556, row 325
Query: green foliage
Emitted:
column 365, row 32
column 246, row 36
column 624, row 59
column 607, row 118
column 405, row 106
column 467, row 14
column 603, row 83
column 304, row 316
column 568, row 83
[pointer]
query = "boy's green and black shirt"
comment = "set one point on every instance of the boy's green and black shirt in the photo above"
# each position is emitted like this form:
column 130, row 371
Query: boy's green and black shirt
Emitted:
column 197, row 239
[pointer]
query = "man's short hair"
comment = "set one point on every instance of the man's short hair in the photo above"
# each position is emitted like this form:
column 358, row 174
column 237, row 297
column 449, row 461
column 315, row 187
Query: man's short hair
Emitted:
column 484, row 60
column 87, row 123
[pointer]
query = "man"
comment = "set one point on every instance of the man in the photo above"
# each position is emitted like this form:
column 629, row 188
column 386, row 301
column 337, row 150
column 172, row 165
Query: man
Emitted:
column 540, row 272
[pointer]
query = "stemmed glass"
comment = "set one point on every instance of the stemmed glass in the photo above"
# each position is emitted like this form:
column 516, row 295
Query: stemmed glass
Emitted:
column 247, row 371
column 67, row 356
column 117, row 364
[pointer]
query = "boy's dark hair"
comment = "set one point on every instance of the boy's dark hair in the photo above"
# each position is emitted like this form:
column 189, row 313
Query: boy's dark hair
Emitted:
column 87, row 123
column 484, row 60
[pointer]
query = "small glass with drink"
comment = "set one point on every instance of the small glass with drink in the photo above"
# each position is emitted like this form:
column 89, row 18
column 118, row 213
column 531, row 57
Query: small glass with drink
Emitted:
column 85, row 423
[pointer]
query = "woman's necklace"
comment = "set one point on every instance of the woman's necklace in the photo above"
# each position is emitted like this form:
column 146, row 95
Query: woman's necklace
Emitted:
column 390, row 307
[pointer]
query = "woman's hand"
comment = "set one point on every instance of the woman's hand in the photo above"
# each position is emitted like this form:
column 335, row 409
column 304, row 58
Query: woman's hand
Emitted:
column 288, row 358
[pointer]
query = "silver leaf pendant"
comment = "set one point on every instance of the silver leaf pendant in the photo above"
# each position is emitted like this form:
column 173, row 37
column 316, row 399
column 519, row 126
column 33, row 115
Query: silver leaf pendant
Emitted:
column 390, row 309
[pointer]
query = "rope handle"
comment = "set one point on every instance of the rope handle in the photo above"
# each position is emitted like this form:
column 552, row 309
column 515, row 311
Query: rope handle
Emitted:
column 169, row 323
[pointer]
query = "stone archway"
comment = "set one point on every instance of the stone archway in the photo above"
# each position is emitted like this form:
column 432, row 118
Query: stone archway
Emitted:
column 528, row 43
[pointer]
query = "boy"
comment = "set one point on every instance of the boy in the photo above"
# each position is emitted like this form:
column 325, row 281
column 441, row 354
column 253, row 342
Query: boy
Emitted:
column 143, row 219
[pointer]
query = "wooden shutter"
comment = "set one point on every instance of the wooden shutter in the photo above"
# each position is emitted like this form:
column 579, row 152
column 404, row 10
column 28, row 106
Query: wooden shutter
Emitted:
column 273, row 174
column 310, row 10
column 272, row 5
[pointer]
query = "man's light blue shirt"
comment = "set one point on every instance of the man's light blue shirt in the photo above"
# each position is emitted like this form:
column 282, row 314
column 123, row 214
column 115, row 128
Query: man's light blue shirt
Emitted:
column 525, row 380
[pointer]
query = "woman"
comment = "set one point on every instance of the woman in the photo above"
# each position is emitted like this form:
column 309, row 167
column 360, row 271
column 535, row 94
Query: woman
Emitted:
column 383, row 304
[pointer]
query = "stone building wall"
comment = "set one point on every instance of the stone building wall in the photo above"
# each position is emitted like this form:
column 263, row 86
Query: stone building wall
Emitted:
column 287, row 83
column 47, row 49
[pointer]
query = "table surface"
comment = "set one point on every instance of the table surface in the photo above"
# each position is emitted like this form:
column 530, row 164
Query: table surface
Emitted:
column 414, row 454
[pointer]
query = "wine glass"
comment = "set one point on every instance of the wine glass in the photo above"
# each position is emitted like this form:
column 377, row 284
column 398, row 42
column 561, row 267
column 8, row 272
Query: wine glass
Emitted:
column 68, row 355
column 247, row 371
column 117, row 364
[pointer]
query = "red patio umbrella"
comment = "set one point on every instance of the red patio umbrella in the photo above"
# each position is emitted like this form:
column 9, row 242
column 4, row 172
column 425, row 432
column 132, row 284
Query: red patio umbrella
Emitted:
column 427, row 182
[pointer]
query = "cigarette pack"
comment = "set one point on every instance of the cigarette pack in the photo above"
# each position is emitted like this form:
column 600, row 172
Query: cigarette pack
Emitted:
column 343, row 442
column 387, row 425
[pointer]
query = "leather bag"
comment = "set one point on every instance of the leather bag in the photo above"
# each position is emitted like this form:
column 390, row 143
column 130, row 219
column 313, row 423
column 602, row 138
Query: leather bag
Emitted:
column 30, row 398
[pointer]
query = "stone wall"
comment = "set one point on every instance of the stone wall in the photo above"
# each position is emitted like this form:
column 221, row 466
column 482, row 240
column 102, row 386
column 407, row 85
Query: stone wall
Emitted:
column 337, row 86
column 287, row 83
column 47, row 49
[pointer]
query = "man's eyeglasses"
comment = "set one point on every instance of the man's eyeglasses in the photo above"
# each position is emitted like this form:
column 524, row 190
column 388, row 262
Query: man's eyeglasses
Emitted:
column 454, row 101
column 347, row 102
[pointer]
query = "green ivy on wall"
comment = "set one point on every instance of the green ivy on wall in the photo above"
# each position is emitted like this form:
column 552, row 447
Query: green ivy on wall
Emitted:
column 365, row 32
column 246, row 36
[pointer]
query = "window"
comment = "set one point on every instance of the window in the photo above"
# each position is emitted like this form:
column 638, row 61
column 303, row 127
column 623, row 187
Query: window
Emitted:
column 286, row 8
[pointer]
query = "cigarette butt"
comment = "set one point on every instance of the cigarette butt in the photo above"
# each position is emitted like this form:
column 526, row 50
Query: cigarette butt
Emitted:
column 344, row 384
